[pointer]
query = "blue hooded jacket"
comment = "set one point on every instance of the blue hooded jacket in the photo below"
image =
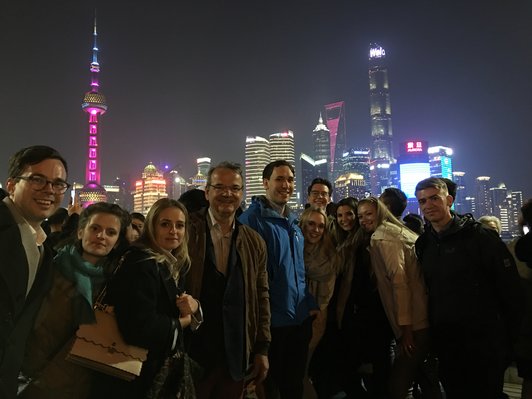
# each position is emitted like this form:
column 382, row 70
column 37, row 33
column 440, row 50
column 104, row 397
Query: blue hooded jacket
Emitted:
column 290, row 301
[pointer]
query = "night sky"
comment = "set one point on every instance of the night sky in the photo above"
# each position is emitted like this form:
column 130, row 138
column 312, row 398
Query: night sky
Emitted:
column 190, row 79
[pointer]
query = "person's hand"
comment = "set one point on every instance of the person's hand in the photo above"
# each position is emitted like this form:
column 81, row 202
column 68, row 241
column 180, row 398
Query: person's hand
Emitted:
column 187, row 304
column 75, row 206
column 407, row 340
column 185, row 321
column 261, row 366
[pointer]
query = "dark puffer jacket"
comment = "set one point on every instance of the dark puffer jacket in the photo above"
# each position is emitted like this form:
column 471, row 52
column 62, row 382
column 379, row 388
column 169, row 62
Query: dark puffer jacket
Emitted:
column 471, row 277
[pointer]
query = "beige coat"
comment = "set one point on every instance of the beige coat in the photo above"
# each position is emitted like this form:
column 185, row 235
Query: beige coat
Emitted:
column 399, row 278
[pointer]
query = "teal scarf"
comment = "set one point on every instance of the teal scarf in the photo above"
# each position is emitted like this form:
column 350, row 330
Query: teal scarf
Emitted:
column 83, row 274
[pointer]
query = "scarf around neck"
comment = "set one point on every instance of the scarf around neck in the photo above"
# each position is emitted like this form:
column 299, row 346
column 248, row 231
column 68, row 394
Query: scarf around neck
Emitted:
column 83, row 274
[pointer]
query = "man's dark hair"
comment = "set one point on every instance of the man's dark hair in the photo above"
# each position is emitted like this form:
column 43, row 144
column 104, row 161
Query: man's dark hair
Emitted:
column 235, row 167
column 268, row 169
column 138, row 215
column 526, row 211
column 451, row 187
column 432, row 182
column 396, row 199
column 32, row 156
column 194, row 200
column 319, row 180
column 58, row 217
column 414, row 222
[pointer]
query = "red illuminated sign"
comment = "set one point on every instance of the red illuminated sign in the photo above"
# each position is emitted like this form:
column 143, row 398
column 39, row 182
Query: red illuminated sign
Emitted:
column 414, row 146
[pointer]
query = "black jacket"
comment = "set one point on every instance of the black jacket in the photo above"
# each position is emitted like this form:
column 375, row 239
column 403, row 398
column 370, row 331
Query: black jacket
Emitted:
column 471, row 278
column 17, row 311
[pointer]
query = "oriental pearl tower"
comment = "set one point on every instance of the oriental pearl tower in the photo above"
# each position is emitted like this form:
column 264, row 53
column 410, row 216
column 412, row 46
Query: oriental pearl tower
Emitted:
column 95, row 105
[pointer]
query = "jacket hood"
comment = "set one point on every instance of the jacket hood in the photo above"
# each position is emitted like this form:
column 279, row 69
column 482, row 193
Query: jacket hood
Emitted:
column 458, row 224
column 266, row 210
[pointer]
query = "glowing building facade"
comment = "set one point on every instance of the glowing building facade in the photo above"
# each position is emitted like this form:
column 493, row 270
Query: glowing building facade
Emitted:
column 413, row 167
column 350, row 185
column 321, row 140
column 381, row 120
column 150, row 188
column 483, row 198
column 257, row 156
column 310, row 169
column 335, row 117
column 441, row 162
column 357, row 160
column 94, row 104
column 282, row 146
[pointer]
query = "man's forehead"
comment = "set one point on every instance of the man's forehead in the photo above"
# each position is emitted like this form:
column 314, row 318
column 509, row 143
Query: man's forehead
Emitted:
column 429, row 192
column 282, row 171
column 319, row 186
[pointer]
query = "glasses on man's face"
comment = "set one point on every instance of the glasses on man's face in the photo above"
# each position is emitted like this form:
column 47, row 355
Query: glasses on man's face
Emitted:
column 220, row 188
column 323, row 194
column 38, row 182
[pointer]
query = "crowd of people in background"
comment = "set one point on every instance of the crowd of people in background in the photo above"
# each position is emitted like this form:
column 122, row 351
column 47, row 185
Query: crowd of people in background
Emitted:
column 347, row 299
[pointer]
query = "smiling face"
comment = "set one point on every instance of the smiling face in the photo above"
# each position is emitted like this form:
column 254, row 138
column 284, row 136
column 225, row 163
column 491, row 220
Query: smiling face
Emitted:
column 436, row 206
column 346, row 217
column 37, row 205
column 224, row 193
column 99, row 236
column 170, row 228
column 314, row 228
column 280, row 186
column 319, row 196
column 367, row 216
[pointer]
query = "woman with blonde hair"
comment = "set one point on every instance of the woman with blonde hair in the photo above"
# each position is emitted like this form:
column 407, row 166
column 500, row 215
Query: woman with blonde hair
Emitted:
column 320, row 266
column 402, row 292
column 151, row 307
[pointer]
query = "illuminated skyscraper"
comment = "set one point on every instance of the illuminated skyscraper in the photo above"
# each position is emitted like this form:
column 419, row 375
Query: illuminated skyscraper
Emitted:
column 150, row 188
column 335, row 117
column 94, row 104
column 257, row 157
column 460, row 204
column 310, row 169
column 350, row 185
column 321, row 138
column 282, row 146
column 204, row 164
column 381, row 119
column 441, row 162
column 483, row 198
column 357, row 160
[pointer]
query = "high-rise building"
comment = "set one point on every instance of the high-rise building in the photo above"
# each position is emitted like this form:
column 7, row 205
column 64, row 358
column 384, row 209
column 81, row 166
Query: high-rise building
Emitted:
column 256, row 158
column 335, row 117
column 94, row 104
column 483, row 198
column 150, row 188
column 381, row 119
column 514, row 210
column 321, row 139
column 461, row 193
column 311, row 169
column 441, row 161
column 350, row 185
column 413, row 167
column 204, row 164
column 357, row 160
column 175, row 184
column 282, row 146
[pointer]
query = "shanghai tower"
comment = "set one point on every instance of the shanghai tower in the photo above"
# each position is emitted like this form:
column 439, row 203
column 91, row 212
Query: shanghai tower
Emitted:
column 95, row 105
column 381, row 120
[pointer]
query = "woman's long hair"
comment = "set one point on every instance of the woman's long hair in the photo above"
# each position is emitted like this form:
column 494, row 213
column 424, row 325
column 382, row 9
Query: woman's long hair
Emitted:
column 342, row 238
column 177, row 260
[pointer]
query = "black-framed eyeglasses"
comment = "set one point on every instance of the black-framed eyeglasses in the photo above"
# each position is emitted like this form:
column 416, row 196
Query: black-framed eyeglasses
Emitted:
column 38, row 182
column 221, row 188
column 324, row 194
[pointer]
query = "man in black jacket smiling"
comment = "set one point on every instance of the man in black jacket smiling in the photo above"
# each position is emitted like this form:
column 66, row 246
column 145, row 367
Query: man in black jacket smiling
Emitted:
column 475, row 296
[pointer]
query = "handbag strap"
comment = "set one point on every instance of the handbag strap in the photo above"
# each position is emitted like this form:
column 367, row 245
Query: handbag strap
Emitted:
column 98, row 303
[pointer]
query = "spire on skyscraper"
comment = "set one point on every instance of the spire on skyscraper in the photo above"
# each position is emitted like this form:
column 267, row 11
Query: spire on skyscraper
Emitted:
column 320, row 126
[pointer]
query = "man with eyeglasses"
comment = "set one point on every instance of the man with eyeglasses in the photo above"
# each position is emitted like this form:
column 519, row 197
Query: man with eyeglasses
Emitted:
column 228, row 275
column 319, row 193
column 291, row 305
column 35, row 186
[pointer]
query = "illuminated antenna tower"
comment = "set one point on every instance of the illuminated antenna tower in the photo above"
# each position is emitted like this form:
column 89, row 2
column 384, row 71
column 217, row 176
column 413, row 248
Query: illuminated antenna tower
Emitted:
column 94, row 104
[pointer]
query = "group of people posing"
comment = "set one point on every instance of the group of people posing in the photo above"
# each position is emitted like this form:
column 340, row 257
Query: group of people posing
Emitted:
column 349, row 300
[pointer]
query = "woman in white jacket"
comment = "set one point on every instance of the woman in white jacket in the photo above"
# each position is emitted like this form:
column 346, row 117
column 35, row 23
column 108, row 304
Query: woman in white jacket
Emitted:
column 402, row 291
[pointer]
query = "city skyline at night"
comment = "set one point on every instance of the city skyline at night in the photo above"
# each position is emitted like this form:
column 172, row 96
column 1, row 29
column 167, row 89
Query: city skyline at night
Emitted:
column 196, row 80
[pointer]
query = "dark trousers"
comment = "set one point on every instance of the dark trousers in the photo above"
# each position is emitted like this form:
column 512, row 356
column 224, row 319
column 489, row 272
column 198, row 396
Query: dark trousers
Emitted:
column 218, row 384
column 288, row 359
column 470, row 364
